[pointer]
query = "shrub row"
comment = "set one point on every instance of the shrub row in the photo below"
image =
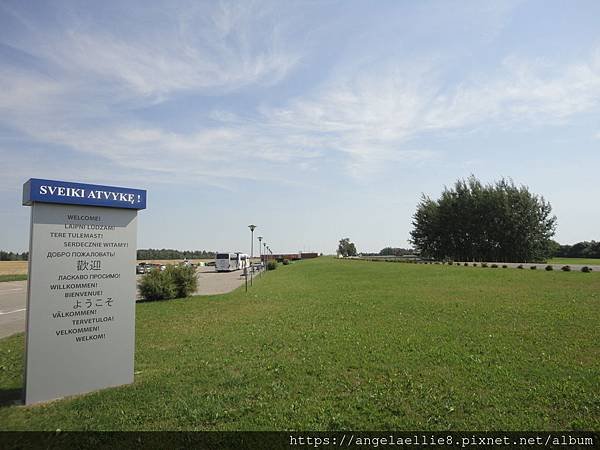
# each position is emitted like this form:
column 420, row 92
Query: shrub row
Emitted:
column 549, row 267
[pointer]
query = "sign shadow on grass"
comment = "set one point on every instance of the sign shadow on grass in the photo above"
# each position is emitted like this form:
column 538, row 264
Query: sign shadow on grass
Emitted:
column 10, row 397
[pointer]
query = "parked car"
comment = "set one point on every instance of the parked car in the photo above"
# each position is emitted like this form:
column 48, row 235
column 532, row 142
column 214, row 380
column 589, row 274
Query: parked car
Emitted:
column 144, row 267
column 151, row 267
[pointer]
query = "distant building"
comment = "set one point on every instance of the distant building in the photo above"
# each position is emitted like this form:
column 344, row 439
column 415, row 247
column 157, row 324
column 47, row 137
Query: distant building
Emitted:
column 281, row 256
column 290, row 256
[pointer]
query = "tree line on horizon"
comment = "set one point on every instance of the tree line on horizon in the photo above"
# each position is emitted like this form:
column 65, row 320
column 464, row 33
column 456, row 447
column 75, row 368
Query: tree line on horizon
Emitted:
column 585, row 249
column 168, row 253
column 392, row 251
column 150, row 253
column 11, row 256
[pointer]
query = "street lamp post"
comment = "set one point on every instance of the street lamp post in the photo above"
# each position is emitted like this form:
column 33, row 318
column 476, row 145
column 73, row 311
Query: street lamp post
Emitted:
column 252, row 227
column 265, row 254
column 260, row 250
column 271, row 253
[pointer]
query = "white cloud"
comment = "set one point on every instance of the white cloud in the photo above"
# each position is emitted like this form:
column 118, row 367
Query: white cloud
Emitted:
column 372, row 116
column 28, row 93
column 157, row 70
column 532, row 92
column 367, row 117
column 368, row 120
column 86, row 79
column 160, row 52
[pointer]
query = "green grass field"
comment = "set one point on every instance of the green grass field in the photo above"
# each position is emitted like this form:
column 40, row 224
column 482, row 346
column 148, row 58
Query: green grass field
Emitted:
column 16, row 277
column 588, row 261
column 328, row 345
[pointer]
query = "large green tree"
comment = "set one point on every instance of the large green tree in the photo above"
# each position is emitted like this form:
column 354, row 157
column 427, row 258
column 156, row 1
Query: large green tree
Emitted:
column 346, row 248
column 494, row 222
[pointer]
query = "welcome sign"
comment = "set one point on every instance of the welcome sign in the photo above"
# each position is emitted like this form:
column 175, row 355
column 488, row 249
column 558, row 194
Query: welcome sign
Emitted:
column 49, row 191
column 81, row 287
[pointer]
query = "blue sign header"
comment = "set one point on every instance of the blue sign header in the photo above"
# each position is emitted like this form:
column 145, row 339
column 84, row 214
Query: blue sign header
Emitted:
column 50, row 191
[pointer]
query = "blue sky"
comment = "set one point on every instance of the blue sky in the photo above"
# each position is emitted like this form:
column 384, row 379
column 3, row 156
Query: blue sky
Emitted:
column 315, row 120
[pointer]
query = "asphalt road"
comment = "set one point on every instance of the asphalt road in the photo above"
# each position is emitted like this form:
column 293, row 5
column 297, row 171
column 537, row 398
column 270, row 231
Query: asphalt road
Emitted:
column 13, row 296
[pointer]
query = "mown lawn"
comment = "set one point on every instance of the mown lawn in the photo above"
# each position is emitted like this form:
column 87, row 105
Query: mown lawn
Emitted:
column 327, row 344
column 588, row 261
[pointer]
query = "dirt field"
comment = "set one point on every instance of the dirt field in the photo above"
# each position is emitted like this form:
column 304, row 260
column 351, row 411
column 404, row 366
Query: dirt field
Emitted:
column 13, row 267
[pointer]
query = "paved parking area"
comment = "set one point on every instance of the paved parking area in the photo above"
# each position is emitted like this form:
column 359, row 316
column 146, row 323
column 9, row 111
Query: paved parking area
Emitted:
column 13, row 296
column 211, row 282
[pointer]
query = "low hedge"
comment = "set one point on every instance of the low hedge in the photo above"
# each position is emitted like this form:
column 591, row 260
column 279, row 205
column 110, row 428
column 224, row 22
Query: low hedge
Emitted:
column 173, row 282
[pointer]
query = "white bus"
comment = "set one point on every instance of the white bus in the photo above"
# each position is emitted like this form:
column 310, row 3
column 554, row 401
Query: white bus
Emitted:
column 226, row 262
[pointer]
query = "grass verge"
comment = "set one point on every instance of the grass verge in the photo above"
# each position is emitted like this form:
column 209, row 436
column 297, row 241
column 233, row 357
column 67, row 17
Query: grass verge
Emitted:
column 577, row 261
column 15, row 277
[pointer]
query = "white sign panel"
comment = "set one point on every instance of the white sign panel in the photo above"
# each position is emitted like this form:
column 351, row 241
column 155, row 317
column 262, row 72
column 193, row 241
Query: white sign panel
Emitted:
column 81, row 299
